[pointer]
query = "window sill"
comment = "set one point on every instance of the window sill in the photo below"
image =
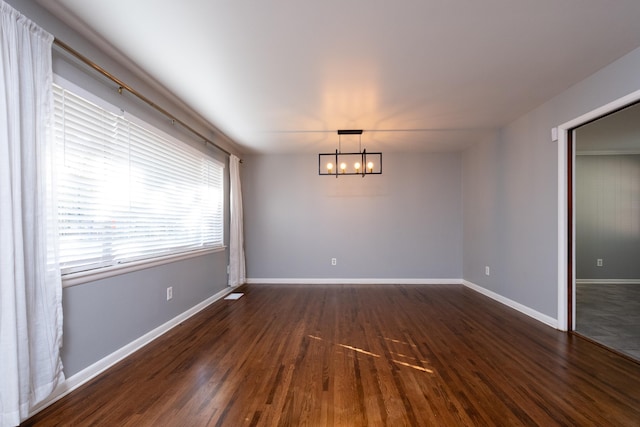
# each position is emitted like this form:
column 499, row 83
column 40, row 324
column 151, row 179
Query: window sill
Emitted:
column 82, row 277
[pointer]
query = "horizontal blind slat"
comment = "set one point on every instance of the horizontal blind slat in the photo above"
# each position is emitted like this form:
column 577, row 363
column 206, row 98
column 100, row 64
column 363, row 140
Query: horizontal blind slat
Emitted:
column 126, row 193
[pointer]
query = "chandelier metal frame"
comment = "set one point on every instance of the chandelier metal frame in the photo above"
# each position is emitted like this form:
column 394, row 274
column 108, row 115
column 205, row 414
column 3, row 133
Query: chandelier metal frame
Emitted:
column 351, row 163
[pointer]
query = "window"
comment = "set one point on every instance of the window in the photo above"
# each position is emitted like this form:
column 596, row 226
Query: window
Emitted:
column 127, row 193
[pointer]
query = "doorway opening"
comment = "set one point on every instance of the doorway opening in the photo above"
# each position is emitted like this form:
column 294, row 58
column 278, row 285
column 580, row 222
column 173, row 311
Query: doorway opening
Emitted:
column 603, row 174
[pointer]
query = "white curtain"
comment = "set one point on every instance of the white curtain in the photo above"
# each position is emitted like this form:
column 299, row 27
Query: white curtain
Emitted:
column 237, row 273
column 30, row 286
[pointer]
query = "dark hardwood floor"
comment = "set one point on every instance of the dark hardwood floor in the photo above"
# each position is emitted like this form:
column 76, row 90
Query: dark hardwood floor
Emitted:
column 359, row 356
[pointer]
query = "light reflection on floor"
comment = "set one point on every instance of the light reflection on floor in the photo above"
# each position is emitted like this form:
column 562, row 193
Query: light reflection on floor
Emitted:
column 368, row 353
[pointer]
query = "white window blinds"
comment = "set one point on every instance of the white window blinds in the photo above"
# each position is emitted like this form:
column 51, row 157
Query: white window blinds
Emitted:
column 126, row 193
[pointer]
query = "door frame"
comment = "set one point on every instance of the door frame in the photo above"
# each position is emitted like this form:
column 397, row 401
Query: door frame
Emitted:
column 566, row 215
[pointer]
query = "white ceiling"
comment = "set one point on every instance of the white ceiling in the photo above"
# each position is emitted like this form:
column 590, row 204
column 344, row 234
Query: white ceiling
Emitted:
column 430, row 75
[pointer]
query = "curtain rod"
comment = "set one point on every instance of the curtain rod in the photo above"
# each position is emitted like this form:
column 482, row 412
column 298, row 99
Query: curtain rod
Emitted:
column 122, row 85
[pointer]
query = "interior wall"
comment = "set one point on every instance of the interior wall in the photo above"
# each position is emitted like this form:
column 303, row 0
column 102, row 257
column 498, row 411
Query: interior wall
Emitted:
column 607, row 200
column 403, row 224
column 510, row 188
column 102, row 316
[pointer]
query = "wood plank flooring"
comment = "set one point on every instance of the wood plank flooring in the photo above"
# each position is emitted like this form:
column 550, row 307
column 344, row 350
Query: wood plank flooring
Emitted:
column 343, row 355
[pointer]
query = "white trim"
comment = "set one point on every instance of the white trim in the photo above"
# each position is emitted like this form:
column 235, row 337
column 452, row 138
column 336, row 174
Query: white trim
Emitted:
column 563, row 248
column 90, row 372
column 541, row 317
column 324, row 281
column 608, row 281
column 81, row 277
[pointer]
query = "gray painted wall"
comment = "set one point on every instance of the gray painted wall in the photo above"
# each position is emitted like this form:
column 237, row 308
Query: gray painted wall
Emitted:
column 102, row 316
column 403, row 224
column 510, row 217
column 607, row 216
column 511, row 192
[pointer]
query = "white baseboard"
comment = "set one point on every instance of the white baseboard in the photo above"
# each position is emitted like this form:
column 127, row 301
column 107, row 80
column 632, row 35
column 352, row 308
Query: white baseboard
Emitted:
column 608, row 281
column 105, row 363
column 548, row 320
column 324, row 281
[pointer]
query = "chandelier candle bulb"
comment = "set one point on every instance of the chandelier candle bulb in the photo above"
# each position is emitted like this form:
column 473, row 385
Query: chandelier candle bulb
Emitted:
column 329, row 167
column 343, row 167
column 370, row 166
column 357, row 166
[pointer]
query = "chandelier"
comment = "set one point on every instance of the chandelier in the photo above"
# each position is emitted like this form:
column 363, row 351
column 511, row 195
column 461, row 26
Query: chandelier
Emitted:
column 353, row 163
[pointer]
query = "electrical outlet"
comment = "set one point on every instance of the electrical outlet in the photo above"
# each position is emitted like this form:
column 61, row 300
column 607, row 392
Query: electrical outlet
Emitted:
column 599, row 262
column 169, row 293
column 487, row 270
column 334, row 261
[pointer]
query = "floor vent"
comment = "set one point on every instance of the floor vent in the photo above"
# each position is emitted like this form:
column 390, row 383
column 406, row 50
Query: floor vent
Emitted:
column 234, row 295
